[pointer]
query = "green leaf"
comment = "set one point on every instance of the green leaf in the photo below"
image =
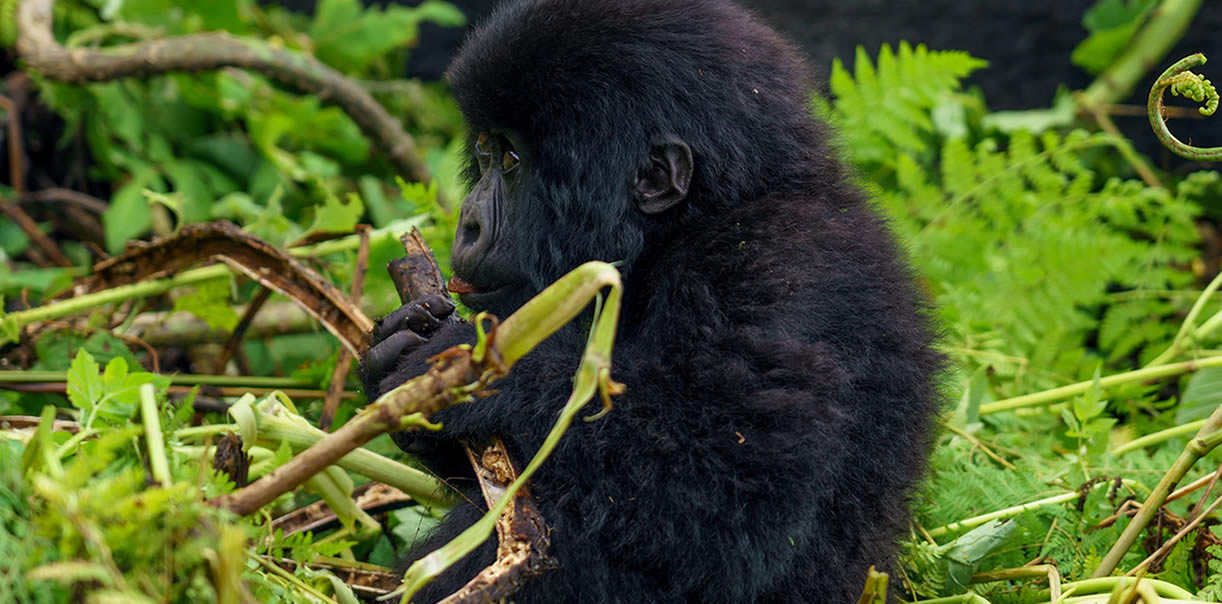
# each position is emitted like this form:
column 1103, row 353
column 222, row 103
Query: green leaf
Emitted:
column 129, row 216
column 189, row 181
column 56, row 347
column 85, row 386
column 1098, row 51
column 1201, row 395
column 1107, row 14
column 966, row 552
column 349, row 39
column 210, row 302
column 13, row 240
column 337, row 216
column 1112, row 24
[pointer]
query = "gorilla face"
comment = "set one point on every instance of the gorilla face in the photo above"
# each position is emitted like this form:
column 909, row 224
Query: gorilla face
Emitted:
column 488, row 267
column 487, row 275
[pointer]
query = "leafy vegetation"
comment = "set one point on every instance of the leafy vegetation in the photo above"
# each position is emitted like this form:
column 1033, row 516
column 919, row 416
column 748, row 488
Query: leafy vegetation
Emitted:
column 1070, row 279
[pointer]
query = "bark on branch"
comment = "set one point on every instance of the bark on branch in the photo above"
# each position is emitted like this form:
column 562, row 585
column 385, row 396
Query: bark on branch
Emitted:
column 209, row 51
column 522, row 535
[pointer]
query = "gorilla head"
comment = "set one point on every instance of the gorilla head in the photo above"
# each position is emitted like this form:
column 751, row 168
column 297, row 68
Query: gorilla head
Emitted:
column 777, row 359
column 624, row 121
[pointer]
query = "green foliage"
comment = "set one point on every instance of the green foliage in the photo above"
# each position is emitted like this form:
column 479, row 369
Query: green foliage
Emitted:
column 210, row 302
column 349, row 38
column 893, row 107
column 990, row 230
column 1112, row 24
column 1049, row 263
column 236, row 136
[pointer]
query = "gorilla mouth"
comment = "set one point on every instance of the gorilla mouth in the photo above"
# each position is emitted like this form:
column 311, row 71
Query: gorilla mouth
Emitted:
column 477, row 297
column 461, row 286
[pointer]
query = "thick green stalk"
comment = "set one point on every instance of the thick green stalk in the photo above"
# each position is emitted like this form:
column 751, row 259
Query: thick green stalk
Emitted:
column 14, row 321
column 1158, row 437
column 153, row 437
column 1207, row 438
column 423, row 487
column 1165, row 27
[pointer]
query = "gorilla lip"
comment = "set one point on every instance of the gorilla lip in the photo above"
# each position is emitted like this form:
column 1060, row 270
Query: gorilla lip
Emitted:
column 460, row 286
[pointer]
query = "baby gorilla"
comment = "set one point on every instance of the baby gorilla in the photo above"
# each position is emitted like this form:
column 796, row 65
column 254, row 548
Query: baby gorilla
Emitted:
column 780, row 381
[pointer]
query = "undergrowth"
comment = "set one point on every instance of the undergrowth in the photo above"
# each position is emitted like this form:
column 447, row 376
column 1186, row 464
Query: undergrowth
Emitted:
column 1048, row 260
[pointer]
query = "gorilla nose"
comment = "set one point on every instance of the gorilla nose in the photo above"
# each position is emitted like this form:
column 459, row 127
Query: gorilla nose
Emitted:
column 471, row 242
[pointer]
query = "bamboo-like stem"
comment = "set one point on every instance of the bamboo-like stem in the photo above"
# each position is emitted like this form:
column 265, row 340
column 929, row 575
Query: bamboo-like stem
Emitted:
column 1166, row 25
column 1158, row 437
column 78, row 304
column 1139, row 375
column 159, row 464
column 1207, row 438
column 38, row 377
column 422, row 486
column 456, row 375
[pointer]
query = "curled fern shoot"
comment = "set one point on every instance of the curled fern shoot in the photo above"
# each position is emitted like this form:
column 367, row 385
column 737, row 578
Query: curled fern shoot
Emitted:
column 1190, row 85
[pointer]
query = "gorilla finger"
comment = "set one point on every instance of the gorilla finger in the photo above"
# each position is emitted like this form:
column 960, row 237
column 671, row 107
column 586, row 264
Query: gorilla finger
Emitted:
column 393, row 323
column 438, row 305
column 420, row 320
column 383, row 355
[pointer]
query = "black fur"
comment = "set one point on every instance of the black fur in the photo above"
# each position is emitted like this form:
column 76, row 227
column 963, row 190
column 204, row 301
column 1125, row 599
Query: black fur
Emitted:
column 780, row 380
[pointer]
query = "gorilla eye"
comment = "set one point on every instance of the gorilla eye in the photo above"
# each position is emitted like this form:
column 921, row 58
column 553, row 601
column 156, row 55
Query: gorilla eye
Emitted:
column 509, row 160
column 481, row 143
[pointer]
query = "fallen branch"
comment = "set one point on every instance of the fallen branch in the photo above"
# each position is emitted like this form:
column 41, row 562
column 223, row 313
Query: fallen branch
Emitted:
column 460, row 373
column 183, row 329
column 522, row 534
column 372, row 497
column 249, row 255
column 209, row 51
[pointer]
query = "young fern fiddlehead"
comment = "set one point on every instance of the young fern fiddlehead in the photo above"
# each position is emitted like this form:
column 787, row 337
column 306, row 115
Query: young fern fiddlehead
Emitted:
column 1185, row 83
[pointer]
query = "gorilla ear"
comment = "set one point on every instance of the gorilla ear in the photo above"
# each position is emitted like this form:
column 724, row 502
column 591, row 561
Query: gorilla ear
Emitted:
column 665, row 182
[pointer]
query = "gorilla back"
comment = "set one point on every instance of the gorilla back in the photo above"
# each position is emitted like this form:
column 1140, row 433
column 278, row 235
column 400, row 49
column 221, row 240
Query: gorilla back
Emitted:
column 780, row 381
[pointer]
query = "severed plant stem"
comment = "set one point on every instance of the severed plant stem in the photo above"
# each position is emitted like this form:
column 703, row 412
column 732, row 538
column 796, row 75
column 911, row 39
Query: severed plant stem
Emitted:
column 1207, row 438
column 457, row 374
column 158, row 462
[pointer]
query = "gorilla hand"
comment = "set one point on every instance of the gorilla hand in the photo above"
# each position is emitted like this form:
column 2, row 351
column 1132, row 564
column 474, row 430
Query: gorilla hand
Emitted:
column 400, row 333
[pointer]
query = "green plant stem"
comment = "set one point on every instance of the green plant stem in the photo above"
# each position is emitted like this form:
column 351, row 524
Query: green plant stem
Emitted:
column 1158, row 437
column 1166, row 25
column 1012, row 511
column 968, row 598
column 222, row 381
column 423, row 487
column 289, row 578
column 153, row 437
column 1039, row 571
column 14, row 321
column 1188, row 331
column 1139, row 375
column 1107, row 584
column 81, row 303
column 1207, row 438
